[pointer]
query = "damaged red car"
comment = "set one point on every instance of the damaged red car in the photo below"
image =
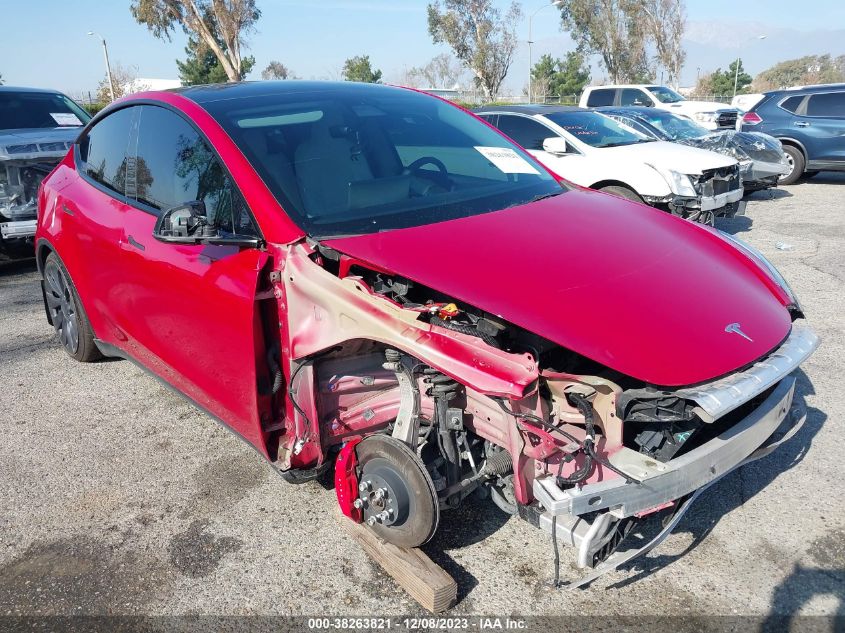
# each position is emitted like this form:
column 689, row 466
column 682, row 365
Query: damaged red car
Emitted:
column 371, row 279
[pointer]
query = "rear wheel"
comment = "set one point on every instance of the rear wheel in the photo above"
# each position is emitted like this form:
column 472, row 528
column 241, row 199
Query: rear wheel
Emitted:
column 795, row 160
column 622, row 192
column 66, row 313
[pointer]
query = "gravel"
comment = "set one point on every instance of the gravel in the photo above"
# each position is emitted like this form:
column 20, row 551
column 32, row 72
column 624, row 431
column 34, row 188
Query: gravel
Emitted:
column 117, row 497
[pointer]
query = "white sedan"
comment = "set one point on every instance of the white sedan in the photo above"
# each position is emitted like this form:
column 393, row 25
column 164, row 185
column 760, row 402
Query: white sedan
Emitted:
column 593, row 150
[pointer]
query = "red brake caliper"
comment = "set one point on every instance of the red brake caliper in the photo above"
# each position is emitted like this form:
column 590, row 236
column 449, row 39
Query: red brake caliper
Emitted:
column 346, row 479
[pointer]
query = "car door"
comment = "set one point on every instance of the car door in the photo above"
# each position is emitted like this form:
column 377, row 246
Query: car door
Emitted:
column 530, row 133
column 91, row 208
column 190, row 309
column 823, row 123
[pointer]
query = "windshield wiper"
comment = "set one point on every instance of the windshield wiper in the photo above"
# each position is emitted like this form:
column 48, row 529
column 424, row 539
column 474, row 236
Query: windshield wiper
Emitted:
column 544, row 196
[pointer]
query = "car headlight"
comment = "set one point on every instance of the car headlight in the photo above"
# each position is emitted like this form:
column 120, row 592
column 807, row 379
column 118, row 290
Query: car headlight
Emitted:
column 679, row 183
column 758, row 257
column 705, row 117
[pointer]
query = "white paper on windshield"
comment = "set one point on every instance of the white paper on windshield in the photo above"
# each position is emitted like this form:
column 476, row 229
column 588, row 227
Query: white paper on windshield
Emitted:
column 507, row 160
column 65, row 118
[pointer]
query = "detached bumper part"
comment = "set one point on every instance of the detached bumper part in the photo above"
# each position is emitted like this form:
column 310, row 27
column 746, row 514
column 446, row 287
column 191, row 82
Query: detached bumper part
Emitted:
column 21, row 229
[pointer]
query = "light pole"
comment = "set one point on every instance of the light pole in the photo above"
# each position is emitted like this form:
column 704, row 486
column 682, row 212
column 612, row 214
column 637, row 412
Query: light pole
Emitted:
column 556, row 3
column 108, row 67
column 736, row 68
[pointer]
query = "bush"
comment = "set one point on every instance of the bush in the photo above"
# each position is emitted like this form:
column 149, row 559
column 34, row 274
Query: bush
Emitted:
column 94, row 108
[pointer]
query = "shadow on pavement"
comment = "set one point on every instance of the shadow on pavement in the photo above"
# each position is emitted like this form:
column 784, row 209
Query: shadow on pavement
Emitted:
column 734, row 225
column 7, row 269
column 736, row 488
column 797, row 590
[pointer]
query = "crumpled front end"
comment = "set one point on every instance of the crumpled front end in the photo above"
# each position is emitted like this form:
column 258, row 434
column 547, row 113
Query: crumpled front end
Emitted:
column 676, row 443
column 22, row 168
column 761, row 157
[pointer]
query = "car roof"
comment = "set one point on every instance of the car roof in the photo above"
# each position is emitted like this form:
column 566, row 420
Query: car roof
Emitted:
column 531, row 109
column 623, row 86
column 246, row 89
column 24, row 89
column 806, row 89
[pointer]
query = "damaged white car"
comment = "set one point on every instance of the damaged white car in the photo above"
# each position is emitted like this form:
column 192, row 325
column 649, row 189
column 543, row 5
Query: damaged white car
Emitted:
column 36, row 129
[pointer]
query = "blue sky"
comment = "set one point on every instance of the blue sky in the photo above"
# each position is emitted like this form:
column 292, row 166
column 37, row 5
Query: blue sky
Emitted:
column 314, row 37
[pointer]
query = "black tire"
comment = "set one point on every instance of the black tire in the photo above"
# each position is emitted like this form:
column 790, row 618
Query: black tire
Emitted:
column 622, row 192
column 796, row 160
column 66, row 312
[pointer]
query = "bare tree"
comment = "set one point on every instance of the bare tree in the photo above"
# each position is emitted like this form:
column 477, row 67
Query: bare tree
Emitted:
column 221, row 25
column 125, row 82
column 613, row 30
column 480, row 36
column 276, row 70
column 665, row 21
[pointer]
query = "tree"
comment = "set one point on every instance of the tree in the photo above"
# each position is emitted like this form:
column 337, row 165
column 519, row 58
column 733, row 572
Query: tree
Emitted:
column 560, row 77
column 443, row 71
column 1, row 79
column 358, row 68
column 720, row 83
column 220, row 25
column 125, row 80
column 665, row 21
column 201, row 65
column 276, row 70
column 481, row 38
column 810, row 69
column 612, row 29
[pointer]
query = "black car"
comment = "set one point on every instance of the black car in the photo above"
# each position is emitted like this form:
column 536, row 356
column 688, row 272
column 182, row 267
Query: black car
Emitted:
column 809, row 121
column 36, row 129
column 761, row 158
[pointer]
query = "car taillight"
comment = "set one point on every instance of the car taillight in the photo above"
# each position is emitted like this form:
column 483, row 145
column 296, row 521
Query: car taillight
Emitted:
column 751, row 118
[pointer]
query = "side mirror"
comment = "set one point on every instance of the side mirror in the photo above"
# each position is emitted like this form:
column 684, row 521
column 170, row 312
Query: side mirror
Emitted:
column 188, row 224
column 555, row 145
column 642, row 101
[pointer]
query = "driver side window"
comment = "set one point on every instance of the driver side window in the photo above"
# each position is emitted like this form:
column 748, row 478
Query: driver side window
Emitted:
column 173, row 165
column 635, row 97
column 527, row 132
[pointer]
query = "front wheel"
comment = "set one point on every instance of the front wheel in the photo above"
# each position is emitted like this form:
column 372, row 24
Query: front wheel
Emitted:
column 795, row 160
column 66, row 313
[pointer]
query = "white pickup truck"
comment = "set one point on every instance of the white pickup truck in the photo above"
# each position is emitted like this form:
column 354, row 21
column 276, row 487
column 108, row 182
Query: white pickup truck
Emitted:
column 709, row 114
column 593, row 150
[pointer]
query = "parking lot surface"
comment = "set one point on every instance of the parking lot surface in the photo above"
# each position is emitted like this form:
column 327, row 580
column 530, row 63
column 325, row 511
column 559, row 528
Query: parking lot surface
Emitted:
column 117, row 497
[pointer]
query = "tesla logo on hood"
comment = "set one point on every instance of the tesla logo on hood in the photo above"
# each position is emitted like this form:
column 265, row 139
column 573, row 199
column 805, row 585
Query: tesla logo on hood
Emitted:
column 733, row 328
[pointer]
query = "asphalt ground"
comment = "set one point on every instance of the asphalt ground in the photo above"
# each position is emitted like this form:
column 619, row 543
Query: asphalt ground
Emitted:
column 117, row 497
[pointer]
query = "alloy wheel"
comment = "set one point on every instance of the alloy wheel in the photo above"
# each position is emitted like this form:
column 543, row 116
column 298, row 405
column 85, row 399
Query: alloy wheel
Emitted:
column 62, row 307
column 791, row 162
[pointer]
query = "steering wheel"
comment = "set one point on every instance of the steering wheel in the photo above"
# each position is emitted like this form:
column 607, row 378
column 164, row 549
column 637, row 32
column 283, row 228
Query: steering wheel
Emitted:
column 442, row 175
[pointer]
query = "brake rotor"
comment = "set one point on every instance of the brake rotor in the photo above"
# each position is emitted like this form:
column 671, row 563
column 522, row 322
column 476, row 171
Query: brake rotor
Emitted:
column 395, row 492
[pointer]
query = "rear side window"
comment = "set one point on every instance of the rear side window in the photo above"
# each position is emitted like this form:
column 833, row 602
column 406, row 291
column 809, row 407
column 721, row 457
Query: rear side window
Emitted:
column 104, row 150
column 601, row 97
column 829, row 104
column 175, row 165
column 634, row 97
column 792, row 103
column 528, row 133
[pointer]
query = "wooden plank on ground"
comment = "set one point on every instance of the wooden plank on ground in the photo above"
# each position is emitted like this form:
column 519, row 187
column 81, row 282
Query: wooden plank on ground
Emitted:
column 416, row 573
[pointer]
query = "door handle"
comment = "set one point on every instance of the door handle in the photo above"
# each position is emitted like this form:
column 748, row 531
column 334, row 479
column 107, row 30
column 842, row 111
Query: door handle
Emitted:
column 801, row 124
column 136, row 243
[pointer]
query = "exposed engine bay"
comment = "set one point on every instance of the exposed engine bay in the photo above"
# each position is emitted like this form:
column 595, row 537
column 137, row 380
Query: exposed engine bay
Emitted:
column 23, row 165
column 439, row 401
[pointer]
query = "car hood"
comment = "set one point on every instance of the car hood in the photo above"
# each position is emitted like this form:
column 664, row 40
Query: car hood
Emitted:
column 740, row 145
column 669, row 155
column 631, row 287
column 37, row 143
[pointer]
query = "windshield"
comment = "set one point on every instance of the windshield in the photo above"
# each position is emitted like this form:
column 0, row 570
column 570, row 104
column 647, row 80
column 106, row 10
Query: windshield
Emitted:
column 362, row 159
column 675, row 127
column 664, row 94
column 25, row 110
column 596, row 130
